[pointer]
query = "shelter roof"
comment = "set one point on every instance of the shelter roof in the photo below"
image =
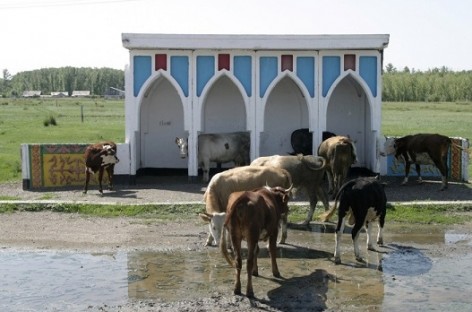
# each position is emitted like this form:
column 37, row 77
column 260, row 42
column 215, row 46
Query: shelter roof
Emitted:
column 137, row 41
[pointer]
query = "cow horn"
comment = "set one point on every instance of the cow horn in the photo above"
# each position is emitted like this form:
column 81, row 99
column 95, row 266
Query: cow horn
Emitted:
column 289, row 189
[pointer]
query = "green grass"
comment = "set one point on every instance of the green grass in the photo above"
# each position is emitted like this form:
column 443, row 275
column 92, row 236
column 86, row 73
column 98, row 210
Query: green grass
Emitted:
column 23, row 121
column 418, row 214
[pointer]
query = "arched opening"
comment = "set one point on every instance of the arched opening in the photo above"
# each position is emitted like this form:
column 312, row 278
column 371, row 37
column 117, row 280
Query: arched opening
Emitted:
column 285, row 111
column 223, row 109
column 161, row 121
column 349, row 114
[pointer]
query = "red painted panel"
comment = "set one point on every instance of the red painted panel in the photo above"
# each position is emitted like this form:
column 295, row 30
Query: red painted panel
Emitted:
column 161, row 61
column 223, row 61
column 287, row 62
column 349, row 61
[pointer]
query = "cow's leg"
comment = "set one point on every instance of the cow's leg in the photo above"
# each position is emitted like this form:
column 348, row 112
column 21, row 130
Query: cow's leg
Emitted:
column 87, row 179
column 273, row 255
column 329, row 174
column 236, row 242
column 368, row 228
column 110, row 170
column 206, row 170
column 407, row 172
column 338, row 234
column 283, row 228
column 381, row 224
column 418, row 171
column 321, row 195
column 209, row 240
column 100, row 178
column 441, row 164
column 355, row 239
column 250, row 267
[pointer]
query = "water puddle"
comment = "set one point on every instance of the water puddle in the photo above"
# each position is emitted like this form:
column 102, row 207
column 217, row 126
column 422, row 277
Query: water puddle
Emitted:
column 400, row 276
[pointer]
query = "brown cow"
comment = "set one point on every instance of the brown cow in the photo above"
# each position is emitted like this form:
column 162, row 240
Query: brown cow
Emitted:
column 421, row 149
column 340, row 153
column 100, row 157
column 253, row 216
column 244, row 178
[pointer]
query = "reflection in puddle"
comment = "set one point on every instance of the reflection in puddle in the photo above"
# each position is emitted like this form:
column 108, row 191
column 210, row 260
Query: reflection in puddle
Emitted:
column 66, row 281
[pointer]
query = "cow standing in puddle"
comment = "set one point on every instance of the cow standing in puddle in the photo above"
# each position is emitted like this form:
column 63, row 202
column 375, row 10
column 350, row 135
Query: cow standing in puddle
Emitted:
column 421, row 149
column 253, row 216
column 359, row 201
column 219, row 148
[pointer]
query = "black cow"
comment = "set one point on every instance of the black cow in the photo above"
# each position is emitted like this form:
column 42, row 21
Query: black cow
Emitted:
column 302, row 141
column 100, row 157
column 363, row 200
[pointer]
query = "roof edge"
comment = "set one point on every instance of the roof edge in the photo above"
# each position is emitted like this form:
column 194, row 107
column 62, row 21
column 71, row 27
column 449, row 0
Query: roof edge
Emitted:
column 136, row 41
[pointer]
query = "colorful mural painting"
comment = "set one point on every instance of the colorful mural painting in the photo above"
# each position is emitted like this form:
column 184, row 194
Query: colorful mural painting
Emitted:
column 57, row 165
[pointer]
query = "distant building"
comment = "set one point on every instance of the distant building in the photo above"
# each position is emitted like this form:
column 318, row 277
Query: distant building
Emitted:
column 28, row 94
column 60, row 94
column 114, row 93
column 80, row 93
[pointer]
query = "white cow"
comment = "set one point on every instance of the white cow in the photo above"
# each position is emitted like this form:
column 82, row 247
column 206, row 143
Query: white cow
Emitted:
column 219, row 148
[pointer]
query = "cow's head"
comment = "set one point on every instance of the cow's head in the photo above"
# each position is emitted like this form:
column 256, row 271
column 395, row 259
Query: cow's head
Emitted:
column 183, row 146
column 390, row 146
column 283, row 195
column 215, row 221
column 108, row 155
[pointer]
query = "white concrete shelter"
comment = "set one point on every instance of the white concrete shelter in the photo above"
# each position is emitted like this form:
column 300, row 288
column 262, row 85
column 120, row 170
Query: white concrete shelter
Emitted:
column 181, row 85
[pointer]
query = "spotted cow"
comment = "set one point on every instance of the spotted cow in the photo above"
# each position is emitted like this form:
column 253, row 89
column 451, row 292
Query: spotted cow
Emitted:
column 360, row 201
column 100, row 157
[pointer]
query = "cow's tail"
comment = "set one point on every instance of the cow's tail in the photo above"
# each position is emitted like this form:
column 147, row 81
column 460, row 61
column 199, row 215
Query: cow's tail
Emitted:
column 224, row 248
column 327, row 215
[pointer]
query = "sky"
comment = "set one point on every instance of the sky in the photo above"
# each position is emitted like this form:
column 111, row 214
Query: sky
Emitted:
column 35, row 34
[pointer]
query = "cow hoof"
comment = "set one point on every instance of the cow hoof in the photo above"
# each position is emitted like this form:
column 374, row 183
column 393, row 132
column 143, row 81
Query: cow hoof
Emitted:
column 337, row 260
column 380, row 242
column 250, row 294
column 359, row 259
column 237, row 292
column 84, row 192
column 277, row 275
column 371, row 248
column 256, row 274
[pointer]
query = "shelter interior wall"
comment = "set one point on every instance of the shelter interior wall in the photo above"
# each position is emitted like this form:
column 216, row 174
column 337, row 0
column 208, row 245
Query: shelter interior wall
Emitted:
column 347, row 115
column 286, row 110
column 161, row 121
column 224, row 109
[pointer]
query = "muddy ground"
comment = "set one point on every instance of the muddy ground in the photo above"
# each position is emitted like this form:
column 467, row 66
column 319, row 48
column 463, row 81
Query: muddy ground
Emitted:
column 40, row 231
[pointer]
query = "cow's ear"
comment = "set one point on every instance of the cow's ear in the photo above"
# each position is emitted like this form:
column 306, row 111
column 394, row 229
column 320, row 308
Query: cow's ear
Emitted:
column 176, row 140
column 205, row 217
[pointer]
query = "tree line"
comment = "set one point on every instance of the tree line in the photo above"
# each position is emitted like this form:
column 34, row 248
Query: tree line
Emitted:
column 433, row 85
column 68, row 79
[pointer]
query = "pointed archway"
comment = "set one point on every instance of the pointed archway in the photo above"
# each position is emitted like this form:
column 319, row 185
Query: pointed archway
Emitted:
column 224, row 109
column 161, row 120
column 285, row 110
column 349, row 113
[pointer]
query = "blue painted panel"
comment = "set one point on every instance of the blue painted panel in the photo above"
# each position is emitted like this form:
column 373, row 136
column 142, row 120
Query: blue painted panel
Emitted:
column 268, row 71
column 306, row 73
column 243, row 71
column 142, row 67
column 331, row 71
column 396, row 167
column 205, row 70
column 368, row 72
column 179, row 70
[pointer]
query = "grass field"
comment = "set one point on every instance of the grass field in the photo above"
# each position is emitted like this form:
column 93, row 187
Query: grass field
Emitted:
column 24, row 121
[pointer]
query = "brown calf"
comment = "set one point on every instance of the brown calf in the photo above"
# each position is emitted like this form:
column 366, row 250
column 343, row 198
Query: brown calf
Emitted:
column 100, row 157
column 253, row 216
